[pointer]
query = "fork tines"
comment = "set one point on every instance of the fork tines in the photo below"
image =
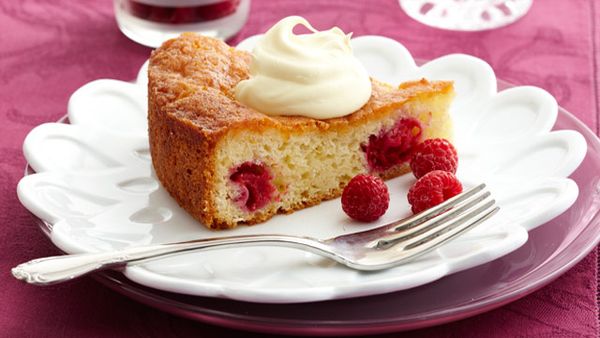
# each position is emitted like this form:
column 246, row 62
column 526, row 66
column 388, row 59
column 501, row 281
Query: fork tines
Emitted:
column 431, row 228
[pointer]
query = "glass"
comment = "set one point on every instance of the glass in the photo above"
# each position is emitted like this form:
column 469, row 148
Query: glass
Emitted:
column 151, row 22
column 552, row 249
column 466, row 15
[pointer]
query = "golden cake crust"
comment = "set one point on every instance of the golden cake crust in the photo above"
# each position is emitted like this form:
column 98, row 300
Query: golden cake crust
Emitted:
column 191, row 106
column 193, row 78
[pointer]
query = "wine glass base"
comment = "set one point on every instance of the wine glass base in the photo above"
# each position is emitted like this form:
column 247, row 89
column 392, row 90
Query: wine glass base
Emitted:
column 153, row 34
column 465, row 15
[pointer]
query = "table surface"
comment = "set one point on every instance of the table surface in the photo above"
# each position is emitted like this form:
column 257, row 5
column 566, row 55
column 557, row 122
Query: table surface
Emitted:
column 50, row 48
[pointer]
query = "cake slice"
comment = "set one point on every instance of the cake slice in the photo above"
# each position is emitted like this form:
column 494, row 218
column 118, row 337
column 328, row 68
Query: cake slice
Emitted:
column 227, row 164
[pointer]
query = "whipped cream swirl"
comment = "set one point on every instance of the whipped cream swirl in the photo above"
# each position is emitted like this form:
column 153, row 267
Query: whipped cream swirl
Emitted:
column 313, row 75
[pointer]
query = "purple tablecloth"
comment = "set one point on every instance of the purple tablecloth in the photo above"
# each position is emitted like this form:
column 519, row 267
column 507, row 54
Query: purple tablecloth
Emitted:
column 50, row 48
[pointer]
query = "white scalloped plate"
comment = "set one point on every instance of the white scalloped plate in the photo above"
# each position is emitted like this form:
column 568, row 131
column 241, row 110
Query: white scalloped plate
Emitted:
column 95, row 184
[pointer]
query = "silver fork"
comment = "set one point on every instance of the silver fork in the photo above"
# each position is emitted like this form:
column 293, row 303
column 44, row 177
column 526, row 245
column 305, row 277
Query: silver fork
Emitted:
column 380, row 248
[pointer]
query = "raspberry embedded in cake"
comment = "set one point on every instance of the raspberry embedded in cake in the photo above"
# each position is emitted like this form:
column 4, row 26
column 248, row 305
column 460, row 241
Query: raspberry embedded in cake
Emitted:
column 253, row 186
column 393, row 146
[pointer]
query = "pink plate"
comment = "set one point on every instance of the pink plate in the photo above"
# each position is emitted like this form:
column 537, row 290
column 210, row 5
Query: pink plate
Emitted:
column 551, row 250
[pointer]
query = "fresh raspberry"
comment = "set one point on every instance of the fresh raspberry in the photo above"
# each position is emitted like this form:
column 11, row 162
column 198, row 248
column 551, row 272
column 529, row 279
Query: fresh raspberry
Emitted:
column 365, row 198
column 434, row 154
column 432, row 189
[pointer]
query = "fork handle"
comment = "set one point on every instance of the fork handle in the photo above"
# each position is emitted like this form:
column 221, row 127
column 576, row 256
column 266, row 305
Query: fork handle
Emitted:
column 56, row 269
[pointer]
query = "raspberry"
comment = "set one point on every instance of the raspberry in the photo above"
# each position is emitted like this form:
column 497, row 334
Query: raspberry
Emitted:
column 254, row 187
column 432, row 189
column 434, row 154
column 393, row 146
column 365, row 198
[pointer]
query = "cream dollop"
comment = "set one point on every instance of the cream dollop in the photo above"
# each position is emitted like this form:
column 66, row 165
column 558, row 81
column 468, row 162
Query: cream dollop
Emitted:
column 313, row 75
